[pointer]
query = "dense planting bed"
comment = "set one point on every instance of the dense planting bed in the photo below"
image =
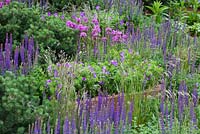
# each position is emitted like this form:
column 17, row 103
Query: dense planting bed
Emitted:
column 99, row 67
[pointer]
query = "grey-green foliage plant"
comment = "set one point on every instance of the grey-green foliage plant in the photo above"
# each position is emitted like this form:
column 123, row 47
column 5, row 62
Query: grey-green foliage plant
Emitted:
column 158, row 11
column 20, row 101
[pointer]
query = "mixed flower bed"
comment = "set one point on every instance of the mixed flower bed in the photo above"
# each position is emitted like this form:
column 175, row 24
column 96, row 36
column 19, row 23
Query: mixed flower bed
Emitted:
column 99, row 67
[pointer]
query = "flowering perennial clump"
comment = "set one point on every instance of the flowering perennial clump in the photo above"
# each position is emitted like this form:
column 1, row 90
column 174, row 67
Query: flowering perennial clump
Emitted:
column 24, row 57
column 104, row 114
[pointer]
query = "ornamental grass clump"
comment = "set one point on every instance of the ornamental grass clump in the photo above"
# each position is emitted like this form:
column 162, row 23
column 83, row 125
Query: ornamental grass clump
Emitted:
column 104, row 114
column 21, row 59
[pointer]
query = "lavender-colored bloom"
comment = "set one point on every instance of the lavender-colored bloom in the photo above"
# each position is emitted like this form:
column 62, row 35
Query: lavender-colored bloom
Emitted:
column 193, row 116
column 48, row 82
column 195, row 95
column 180, row 101
column 22, row 52
column 55, row 73
column 16, row 56
column 7, row 55
column 82, row 14
column 57, row 130
column 162, row 124
column 97, row 8
column 130, row 113
column 66, row 126
column 122, row 57
column 114, row 62
column 186, row 100
column 55, row 14
column 62, row 17
column 48, row 127
column 49, row 13
column 83, row 79
column 1, row 61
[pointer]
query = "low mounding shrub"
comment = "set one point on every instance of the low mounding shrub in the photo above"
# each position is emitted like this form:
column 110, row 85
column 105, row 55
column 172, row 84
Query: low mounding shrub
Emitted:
column 20, row 101
column 52, row 32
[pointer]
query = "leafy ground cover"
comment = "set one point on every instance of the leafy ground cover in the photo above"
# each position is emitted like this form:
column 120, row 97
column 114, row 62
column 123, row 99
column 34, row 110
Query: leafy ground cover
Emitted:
column 99, row 67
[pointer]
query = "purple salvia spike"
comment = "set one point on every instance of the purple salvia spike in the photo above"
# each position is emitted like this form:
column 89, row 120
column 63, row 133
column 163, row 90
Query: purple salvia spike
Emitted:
column 48, row 127
column 26, row 42
column 162, row 124
column 193, row 116
column 22, row 54
column 73, row 126
column 195, row 95
column 112, row 108
column 186, row 100
column 36, row 127
column 58, row 125
column 130, row 113
column 11, row 43
column 171, row 115
column 1, row 60
column 84, row 123
column 180, row 101
column 99, row 101
column 66, row 126
column 7, row 56
column 16, row 56
column 189, row 56
column 166, row 111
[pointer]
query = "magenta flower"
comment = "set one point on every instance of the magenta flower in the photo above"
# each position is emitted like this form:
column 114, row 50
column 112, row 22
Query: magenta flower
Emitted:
column 7, row 2
column 82, row 28
column 1, row 4
column 108, row 30
column 85, row 19
column 95, row 21
column 71, row 24
column 83, row 34
column 104, row 39
column 96, row 31
column 78, row 20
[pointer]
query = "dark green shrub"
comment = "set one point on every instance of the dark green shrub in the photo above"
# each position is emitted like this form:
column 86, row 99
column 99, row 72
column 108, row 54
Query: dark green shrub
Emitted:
column 16, row 18
column 52, row 32
column 20, row 101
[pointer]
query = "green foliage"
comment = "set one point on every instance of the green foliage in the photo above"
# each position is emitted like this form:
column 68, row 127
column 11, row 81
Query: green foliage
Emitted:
column 16, row 18
column 67, row 4
column 134, row 73
column 158, row 11
column 195, row 29
column 51, row 32
column 20, row 101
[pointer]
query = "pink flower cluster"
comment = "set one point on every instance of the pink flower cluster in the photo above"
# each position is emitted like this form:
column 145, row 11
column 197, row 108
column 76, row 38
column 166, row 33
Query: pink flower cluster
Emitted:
column 4, row 3
column 117, row 36
column 78, row 25
column 71, row 24
column 96, row 31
